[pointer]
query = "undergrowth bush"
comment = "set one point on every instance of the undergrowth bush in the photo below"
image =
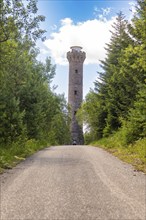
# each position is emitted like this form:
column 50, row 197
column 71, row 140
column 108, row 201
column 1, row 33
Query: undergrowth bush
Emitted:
column 134, row 153
column 12, row 154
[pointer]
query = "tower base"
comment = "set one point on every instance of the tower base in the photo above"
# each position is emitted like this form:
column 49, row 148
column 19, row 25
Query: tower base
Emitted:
column 77, row 136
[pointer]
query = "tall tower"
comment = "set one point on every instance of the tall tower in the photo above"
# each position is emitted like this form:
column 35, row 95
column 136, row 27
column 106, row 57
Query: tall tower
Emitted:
column 76, row 58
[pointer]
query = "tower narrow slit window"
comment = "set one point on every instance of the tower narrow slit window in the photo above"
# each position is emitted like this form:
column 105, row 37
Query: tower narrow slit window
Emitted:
column 75, row 112
column 75, row 92
column 76, row 71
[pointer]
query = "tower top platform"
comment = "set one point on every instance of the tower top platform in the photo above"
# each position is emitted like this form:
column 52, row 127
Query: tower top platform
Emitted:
column 76, row 48
column 76, row 55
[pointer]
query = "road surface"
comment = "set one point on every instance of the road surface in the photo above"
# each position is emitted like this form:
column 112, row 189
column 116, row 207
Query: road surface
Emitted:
column 73, row 183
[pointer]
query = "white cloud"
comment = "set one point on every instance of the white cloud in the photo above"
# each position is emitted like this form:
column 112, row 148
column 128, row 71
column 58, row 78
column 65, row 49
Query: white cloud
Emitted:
column 66, row 21
column 43, row 51
column 102, row 13
column 54, row 27
column 91, row 35
column 132, row 9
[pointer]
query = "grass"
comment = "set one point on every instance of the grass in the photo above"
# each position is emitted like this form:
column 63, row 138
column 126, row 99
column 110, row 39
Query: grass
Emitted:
column 11, row 155
column 134, row 154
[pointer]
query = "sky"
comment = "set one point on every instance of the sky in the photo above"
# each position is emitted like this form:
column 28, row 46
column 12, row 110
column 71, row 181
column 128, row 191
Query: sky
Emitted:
column 78, row 23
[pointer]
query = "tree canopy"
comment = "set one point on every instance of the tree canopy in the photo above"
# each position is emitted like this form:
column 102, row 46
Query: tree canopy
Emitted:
column 29, row 107
column 119, row 93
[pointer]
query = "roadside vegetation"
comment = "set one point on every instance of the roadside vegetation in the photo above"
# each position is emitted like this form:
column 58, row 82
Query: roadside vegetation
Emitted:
column 11, row 155
column 134, row 154
column 32, row 115
column 115, row 111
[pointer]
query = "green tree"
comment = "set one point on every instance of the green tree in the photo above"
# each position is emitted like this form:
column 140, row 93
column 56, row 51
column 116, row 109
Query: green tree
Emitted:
column 28, row 104
column 134, row 65
column 110, row 86
column 134, row 127
column 120, row 89
column 59, row 132
column 19, row 21
column 11, row 79
column 92, row 115
column 29, row 107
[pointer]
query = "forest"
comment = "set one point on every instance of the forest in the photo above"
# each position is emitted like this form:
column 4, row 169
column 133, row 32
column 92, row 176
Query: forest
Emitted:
column 32, row 115
column 114, row 112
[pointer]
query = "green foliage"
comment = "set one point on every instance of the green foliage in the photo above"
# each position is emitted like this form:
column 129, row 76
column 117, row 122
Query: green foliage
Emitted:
column 134, row 127
column 12, row 118
column 92, row 114
column 29, row 107
column 10, row 155
column 118, row 104
column 110, row 85
column 115, row 113
column 59, row 132
column 134, row 154
column 19, row 20
column 88, row 137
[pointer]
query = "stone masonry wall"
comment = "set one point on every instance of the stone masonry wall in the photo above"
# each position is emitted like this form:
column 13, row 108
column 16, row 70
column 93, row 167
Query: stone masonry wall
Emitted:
column 75, row 91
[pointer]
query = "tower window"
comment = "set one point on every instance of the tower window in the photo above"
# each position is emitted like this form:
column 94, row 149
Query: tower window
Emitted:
column 75, row 112
column 76, row 71
column 75, row 92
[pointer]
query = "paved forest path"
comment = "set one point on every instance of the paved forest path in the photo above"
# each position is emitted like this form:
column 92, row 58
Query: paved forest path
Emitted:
column 73, row 183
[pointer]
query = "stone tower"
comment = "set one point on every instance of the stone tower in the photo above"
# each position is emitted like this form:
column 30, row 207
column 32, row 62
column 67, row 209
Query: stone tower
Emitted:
column 76, row 58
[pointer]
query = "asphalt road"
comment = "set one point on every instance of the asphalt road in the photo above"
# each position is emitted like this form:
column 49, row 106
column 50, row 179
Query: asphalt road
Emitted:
column 73, row 183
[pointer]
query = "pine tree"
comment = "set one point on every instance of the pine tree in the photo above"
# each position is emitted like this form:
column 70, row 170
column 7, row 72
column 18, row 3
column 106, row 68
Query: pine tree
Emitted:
column 134, row 69
column 110, row 86
column 119, row 98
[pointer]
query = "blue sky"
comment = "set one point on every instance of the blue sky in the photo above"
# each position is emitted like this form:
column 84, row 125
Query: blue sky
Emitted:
column 83, row 23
